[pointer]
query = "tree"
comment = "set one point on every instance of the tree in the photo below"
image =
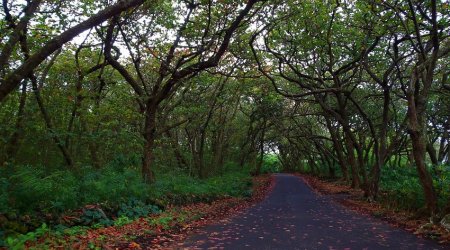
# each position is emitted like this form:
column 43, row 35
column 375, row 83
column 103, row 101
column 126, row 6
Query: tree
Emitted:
column 192, row 50
column 12, row 78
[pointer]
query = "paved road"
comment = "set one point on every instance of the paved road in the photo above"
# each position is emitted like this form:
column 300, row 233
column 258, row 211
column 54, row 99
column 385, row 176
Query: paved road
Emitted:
column 293, row 217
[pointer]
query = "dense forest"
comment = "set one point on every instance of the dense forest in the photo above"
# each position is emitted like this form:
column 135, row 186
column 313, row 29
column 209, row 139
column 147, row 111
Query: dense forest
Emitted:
column 132, row 105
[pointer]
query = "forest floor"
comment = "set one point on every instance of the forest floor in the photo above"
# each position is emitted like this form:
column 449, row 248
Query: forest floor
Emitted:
column 161, row 230
column 353, row 199
column 293, row 216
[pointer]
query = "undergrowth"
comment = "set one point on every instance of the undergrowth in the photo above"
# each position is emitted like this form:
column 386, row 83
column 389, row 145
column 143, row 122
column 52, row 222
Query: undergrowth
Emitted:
column 402, row 188
column 35, row 197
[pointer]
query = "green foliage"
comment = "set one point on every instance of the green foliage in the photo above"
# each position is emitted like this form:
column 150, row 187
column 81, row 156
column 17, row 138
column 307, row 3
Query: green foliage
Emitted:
column 180, row 188
column 95, row 216
column 36, row 188
column 4, row 195
column 271, row 164
column 18, row 242
column 115, row 190
column 33, row 188
column 162, row 221
column 441, row 181
column 135, row 208
column 110, row 185
column 122, row 220
column 403, row 188
column 33, row 191
column 70, row 231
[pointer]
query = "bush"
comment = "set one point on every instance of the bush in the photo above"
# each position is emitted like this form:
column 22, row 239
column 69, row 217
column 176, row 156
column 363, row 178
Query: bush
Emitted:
column 441, row 178
column 180, row 188
column 19, row 241
column 92, row 216
column 135, row 208
column 4, row 197
column 109, row 185
column 404, row 189
column 32, row 189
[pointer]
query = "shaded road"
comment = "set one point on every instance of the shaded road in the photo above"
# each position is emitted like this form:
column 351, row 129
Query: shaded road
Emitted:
column 293, row 217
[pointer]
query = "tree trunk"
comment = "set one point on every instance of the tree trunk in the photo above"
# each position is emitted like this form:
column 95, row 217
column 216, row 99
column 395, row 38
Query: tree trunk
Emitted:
column 351, row 161
column 338, row 149
column 218, row 149
column 419, row 150
column 13, row 144
column 381, row 148
column 261, row 150
column 49, row 124
column 261, row 158
column 149, row 136
column 418, row 139
column 176, row 150
column 444, row 142
column 432, row 153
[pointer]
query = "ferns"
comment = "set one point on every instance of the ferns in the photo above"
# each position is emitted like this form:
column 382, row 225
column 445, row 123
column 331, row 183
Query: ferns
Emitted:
column 36, row 189
column 115, row 191
column 32, row 189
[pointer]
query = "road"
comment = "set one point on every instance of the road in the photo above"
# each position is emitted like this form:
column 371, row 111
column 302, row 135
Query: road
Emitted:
column 294, row 217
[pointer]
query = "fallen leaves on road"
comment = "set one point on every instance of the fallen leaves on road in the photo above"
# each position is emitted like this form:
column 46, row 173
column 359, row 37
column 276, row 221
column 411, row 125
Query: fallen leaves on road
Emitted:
column 354, row 200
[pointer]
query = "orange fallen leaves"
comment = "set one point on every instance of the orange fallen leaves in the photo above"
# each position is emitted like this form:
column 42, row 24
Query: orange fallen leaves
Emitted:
column 354, row 201
column 143, row 233
column 134, row 245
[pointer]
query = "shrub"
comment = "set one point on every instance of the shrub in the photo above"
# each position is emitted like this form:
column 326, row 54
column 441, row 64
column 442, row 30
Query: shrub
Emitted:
column 108, row 185
column 403, row 188
column 4, row 197
column 135, row 208
column 180, row 188
column 93, row 216
column 19, row 241
column 32, row 189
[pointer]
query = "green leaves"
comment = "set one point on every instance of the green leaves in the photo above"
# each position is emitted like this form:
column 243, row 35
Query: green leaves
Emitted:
column 18, row 243
column 135, row 208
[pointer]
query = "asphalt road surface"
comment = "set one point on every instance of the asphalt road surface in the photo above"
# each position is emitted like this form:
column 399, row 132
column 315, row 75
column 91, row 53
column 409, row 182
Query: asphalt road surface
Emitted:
column 294, row 217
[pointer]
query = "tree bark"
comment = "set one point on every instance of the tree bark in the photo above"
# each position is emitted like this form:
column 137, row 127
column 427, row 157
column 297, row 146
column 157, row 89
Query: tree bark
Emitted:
column 149, row 136
column 176, row 149
column 261, row 150
column 444, row 142
column 337, row 148
column 418, row 139
column 59, row 143
column 13, row 144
